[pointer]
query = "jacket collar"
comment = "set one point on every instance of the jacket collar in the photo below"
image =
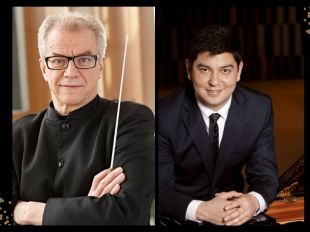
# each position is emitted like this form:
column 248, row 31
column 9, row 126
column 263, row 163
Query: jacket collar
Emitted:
column 194, row 123
column 79, row 113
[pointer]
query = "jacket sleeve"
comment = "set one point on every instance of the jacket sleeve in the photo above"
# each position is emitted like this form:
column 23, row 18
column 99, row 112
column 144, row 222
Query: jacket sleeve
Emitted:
column 135, row 153
column 171, row 203
column 263, row 158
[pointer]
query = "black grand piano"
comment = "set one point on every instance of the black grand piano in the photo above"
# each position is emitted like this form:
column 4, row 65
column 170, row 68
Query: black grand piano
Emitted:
column 287, row 208
column 291, row 182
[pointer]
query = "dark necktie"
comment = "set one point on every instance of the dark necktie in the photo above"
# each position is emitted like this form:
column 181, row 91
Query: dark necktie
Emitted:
column 214, row 134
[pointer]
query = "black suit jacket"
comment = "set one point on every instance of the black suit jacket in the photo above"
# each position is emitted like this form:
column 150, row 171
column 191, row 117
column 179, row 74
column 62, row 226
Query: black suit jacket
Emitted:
column 185, row 163
column 55, row 160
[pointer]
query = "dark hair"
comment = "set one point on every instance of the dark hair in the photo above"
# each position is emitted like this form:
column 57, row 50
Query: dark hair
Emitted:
column 215, row 39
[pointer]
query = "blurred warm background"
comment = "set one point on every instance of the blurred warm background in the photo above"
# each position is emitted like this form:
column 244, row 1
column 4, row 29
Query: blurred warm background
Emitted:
column 30, row 91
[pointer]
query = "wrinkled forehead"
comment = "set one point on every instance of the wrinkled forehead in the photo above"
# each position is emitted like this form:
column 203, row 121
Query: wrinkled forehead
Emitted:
column 71, row 42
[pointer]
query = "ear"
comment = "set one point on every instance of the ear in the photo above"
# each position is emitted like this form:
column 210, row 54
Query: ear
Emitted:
column 239, row 71
column 188, row 69
column 43, row 69
column 101, row 66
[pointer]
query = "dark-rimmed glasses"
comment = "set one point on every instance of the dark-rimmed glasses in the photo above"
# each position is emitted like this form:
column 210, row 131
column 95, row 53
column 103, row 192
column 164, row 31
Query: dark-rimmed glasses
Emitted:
column 62, row 62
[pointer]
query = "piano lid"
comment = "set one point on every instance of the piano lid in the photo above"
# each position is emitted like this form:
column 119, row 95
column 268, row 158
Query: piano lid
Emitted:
column 292, row 180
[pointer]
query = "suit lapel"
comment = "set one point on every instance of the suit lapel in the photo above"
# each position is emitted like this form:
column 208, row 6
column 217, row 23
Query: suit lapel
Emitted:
column 195, row 125
column 236, row 120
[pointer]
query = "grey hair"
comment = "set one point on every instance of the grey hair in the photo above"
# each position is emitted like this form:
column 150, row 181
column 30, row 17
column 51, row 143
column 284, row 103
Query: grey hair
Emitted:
column 72, row 21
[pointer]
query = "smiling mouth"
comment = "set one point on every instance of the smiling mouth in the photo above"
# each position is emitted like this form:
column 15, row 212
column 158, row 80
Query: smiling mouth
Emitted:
column 213, row 92
column 71, row 86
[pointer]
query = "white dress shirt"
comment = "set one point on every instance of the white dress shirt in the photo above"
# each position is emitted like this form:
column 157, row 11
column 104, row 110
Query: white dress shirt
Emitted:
column 206, row 112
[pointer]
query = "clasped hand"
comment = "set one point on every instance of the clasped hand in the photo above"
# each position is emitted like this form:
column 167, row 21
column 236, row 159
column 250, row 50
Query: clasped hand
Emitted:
column 228, row 208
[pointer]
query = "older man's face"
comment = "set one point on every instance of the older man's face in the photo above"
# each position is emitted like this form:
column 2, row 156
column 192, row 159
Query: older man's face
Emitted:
column 71, row 88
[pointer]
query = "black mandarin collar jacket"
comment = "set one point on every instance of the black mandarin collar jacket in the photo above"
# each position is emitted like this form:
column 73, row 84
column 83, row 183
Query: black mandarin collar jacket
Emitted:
column 55, row 159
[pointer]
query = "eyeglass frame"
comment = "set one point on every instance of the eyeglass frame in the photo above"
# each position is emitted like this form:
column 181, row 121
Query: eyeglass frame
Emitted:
column 70, row 58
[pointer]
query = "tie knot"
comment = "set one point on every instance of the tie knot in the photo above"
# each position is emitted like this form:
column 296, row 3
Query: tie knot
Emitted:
column 214, row 117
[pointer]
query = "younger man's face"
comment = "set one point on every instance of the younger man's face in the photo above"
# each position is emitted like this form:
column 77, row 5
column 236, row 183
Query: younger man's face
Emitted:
column 214, row 78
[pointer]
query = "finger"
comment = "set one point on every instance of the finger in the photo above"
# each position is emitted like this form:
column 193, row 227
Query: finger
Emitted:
column 116, row 170
column 99, row 191
column 112, row 177
column 244, row 220
column 238, row 220
column 230, row 212
column 115, row 189
column 97, row 178
column 232, row 215
column 232, row 205
column 116, row 181
column 102, row 179
column 229, row 195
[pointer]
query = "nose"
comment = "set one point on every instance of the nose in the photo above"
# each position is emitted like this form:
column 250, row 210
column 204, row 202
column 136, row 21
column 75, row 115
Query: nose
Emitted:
column 214, row 79
column 71, row 70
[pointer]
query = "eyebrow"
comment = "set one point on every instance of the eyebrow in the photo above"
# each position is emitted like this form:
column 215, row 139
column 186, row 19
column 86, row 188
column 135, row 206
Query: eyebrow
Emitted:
column 80, row 54
column 207, row 66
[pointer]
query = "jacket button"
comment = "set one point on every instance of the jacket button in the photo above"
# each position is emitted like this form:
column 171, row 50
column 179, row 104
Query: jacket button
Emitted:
column 65, row 126
column 60, row 163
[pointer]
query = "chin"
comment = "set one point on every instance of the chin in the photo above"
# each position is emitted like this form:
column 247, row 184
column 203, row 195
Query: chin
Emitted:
column 71, row 99
column 211, row 103
column 212, row 100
